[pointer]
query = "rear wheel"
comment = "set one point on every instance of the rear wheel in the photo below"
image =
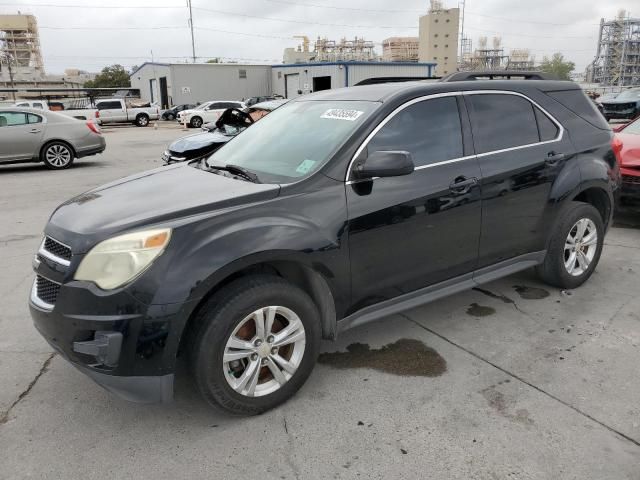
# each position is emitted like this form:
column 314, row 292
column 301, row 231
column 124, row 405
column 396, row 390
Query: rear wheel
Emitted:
column 575, row 247
column 170, row 116
column 254, row 344
column 57, row 155
column 142, row 120
column 196, row 122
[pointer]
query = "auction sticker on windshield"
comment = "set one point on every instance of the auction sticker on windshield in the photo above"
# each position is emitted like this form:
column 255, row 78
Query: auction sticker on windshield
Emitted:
column 342, row 114
column 305, row 166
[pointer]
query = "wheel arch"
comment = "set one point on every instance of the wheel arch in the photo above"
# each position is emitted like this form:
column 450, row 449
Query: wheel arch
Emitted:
column 598, row 197
column 305, row 276
column 56, row 140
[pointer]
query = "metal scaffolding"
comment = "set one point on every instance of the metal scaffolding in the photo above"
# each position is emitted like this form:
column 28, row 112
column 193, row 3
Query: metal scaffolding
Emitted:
column 357, row 49
column 19, row 41
column 617, row 61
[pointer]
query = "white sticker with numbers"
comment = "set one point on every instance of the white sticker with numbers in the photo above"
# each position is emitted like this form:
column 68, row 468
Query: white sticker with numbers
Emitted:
column 342, row 114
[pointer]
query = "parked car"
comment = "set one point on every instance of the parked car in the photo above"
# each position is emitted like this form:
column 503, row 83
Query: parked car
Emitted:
column 628, row 138
column 118, row 110
column 215, row 134
column 323, row 216
column 172, row 113
column 625, row 106
column 206, row 112
column 87, row 113
column 30, row 135
column 261, row 99
column 36, row 104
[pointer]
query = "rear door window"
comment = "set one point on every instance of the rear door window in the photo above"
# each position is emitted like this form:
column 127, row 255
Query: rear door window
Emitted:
column 12, row 119
column 109, row 105
column 429, row 130
column 546, row 128
column 32, row 118
column 502, row 121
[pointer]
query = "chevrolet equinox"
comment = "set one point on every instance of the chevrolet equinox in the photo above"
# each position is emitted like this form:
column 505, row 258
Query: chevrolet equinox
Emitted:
column 340, row 208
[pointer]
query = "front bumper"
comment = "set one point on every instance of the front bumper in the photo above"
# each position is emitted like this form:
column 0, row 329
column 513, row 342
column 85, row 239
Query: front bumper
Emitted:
column 624, row 114
column 630, row 188
column 76, row 317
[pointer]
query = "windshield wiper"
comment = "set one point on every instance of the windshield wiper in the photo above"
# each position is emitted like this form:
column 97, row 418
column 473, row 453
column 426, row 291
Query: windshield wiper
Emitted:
column 233, row 169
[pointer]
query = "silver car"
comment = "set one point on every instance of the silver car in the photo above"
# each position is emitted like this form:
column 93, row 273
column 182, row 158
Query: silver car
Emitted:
column 28, row 135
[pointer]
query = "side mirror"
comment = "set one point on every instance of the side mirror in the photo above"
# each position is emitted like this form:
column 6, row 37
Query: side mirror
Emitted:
column 385, row 164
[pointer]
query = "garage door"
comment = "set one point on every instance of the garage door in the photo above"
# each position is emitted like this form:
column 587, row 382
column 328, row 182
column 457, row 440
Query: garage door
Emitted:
column 291, row 85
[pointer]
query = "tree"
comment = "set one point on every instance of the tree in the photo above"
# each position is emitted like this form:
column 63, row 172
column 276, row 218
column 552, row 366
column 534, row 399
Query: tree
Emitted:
column 110, row 77
column 557, row 66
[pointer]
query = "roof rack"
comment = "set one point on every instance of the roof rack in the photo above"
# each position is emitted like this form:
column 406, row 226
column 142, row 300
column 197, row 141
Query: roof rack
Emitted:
column 497, row 75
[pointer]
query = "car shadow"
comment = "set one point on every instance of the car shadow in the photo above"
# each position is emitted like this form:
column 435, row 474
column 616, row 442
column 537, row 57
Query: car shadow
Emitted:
column 39, row 167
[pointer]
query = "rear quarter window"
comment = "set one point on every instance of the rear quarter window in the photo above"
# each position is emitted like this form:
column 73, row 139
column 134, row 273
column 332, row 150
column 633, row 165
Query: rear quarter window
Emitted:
column 576, row 101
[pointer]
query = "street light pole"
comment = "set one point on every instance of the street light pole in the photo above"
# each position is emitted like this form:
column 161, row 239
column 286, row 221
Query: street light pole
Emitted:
column 193, row 41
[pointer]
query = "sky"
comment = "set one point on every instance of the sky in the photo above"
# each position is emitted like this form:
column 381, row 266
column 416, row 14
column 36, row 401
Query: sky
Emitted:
column 92, row 35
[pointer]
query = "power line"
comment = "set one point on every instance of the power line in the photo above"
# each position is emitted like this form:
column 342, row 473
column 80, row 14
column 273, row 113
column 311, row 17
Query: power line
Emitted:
column 302, row 22
column 91, row 7
column 333, row 7
column 113, row 28
column 496, row 32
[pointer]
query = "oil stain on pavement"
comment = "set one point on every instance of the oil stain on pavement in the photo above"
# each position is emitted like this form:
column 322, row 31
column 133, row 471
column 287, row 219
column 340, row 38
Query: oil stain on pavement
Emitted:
column 406, row 357
column 530, row 293
column 476, row 310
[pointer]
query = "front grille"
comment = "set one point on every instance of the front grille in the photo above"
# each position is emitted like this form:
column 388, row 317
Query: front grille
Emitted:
column 631, row 179
column 56, row 248
column 47, row 290
column 618, row 107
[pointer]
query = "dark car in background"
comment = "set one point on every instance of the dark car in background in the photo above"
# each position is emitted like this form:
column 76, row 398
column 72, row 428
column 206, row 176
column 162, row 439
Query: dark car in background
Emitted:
column 172, row 113
column 626, row 105
column 215, row 134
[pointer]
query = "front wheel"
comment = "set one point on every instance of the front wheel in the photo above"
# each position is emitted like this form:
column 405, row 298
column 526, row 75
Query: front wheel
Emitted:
column 575, row 247
column 196, row 122
column 57, row 155
column 170, row 116
column 254, row 345
column 142, row 120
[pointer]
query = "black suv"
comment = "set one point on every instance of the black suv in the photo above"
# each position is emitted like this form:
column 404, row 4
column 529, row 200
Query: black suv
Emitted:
column 337, row 209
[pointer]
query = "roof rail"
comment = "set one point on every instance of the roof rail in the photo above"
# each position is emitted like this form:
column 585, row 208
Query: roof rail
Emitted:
column 497, row 75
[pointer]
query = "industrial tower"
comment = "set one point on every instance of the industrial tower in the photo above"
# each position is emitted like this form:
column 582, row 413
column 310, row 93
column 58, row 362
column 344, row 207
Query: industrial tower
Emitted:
column 617, row 61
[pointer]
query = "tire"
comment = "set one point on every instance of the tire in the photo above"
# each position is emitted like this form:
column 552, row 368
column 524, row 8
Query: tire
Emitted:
column 57, row 155
column 196, row 122
column 559, row 268
column 142, row 120
column 170, row 116
column 228, row 313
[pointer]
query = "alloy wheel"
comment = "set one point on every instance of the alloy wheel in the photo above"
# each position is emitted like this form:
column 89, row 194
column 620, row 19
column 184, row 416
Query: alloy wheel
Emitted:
column 264, row 351
column 58, row 156
column 580, row 247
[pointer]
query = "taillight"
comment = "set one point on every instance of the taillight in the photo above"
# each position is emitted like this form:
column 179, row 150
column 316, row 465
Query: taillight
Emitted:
column 93, row 127
column 616, row 146
column 97, row 113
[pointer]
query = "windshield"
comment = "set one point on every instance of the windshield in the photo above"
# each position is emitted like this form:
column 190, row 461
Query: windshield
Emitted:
column 295, row 140
column 629, row 95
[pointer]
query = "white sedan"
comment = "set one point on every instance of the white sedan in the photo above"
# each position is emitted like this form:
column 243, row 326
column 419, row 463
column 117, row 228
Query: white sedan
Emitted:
column 206, row 112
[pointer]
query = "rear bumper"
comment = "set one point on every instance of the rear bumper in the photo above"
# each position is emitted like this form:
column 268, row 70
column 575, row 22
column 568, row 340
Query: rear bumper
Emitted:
column 92, row 150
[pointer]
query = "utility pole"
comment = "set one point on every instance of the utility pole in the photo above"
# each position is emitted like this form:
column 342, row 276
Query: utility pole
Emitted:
column 461, row 33
column 193, row 41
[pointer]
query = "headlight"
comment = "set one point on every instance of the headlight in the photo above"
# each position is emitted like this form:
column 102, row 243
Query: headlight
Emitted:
column 120, row 259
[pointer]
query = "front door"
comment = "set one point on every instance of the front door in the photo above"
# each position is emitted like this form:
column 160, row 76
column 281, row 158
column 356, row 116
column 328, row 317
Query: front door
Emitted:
column 415, row 230
column 521, row 151
column 20, row 135
column 112, row 111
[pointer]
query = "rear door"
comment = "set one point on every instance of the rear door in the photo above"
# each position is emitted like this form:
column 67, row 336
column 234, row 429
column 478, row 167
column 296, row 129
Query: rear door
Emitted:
column 416, row 230
column 521, row 149
column 112, row 111
column 20, row 135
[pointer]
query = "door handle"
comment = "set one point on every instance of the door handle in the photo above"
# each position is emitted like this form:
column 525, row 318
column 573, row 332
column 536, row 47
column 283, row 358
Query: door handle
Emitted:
column 462, row 185
column 553, row 158
column 34, row 130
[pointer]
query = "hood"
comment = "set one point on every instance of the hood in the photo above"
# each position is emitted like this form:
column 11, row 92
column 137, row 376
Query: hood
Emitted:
column 617, row 101
column 630, row 153
column 198, row 141
column 149, row 198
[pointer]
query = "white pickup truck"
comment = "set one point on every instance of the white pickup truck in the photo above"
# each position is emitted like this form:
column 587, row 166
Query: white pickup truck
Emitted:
column 86, row 113
column 117, row 110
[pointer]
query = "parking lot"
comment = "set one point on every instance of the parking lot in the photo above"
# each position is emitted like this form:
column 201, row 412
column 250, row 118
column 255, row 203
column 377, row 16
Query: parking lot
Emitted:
column 516, row 380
